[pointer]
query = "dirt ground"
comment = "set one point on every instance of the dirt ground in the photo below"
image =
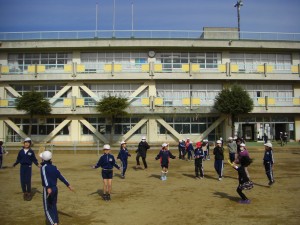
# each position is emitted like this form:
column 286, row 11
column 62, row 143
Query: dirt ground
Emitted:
column 142, row 198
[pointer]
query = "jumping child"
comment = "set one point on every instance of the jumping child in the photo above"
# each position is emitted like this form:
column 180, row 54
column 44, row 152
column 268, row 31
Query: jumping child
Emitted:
column 123, row 156
column 164, row 155
column 26, row 157
column 244, row 181
column 199, row 155
column 219, row 158
column 107, row 162
column 50, row 174
column 268, row 162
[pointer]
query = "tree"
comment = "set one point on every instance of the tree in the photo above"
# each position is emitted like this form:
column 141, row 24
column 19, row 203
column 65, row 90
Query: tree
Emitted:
column 112, row 107
column 34, row 104
column 233, row 102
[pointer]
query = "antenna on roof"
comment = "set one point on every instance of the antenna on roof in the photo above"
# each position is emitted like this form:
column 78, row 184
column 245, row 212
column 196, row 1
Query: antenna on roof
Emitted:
column 238, row 6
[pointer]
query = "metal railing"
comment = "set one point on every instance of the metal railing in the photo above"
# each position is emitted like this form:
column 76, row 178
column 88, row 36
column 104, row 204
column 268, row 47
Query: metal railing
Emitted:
column 146, row 34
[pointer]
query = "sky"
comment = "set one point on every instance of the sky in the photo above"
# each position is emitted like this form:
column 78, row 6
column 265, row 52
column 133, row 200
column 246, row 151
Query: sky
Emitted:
column 67, row 15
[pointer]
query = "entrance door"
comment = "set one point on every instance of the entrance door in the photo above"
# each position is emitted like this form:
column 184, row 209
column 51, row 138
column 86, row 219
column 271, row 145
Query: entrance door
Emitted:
column 279, row 127
column 248, row 132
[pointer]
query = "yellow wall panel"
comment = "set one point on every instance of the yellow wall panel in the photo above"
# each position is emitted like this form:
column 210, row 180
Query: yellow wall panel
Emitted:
column 195, row 67
column 4, row 69
column 261, row 101
column 269, row 69
column 117, row 67
column 145, row 101
column 222, row 68
column 158, row 101
column 107, row 67
column 67, row 102
column 31, row 69
column 3, row 102
column 185, row 67
column 68, row 68
column 80, row 68
column 186, row 101
column 296, row 101
column 234, row 68
column 271, row 101
column 145, row 68
column 157, row 67
column 295, row 69
column 261, row 69
column 196, row 101
column 79, row 102
column 41, row 68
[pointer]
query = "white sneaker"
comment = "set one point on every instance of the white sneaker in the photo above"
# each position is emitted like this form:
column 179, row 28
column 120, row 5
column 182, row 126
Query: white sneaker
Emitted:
column 220, row 178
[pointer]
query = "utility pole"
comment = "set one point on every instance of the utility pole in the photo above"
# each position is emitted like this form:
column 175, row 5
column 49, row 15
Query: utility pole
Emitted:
column 238, row 6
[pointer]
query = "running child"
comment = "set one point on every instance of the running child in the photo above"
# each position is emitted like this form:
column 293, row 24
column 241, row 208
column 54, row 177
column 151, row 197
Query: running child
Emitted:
column 123, row 156
column 199, row 155
column 244, row 181
column 107, row 162
column 26, row 157
column 268, row 162
column 49, row 175
column 219, row 158
column 164, row 155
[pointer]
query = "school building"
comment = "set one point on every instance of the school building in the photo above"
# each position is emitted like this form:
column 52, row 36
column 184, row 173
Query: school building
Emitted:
column 170, row 78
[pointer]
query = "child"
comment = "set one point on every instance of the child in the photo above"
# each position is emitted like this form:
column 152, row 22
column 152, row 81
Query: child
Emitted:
column 123, row 156
column 243, row 152
column 268, row 162
column 142, row 152
column 164, row 155
column 189, row 149
column 26, row 157
column 107, row 162
column 232, row 148
column 199, row 155
column 2, row 153
column 244, row 180
column 205, row 147
column 181, row 149
column 219, row 157
column 49, row 175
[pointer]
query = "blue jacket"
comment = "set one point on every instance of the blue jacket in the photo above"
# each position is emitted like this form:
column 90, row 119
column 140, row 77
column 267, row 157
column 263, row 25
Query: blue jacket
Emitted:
column 49, row 174
column 107, row 162
column 26, row 159
column 268, row 157
column 123, row 154
column 164, row 157
column 199, row 153
column 190, row 147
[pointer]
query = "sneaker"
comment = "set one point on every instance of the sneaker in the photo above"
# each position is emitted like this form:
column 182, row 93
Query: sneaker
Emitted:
column 104, row 196
column 247, row 201
column 108, row 197
column 202, row 177
column 220, row 178
column 271, row 182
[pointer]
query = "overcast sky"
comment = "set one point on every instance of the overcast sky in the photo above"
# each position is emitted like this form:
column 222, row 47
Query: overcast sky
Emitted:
column 67, row 15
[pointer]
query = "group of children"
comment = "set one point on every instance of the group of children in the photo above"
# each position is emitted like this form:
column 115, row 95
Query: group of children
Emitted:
column 238, row 158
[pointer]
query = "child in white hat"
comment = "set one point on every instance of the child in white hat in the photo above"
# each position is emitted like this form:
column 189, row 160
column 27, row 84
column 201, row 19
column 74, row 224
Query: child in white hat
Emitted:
column 164, row 155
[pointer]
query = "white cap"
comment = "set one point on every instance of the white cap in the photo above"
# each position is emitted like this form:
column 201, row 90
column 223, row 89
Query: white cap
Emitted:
column 205, row 140
column 180, row 141
column 187, row 138
column 219, row 142
column 230, row 138
column 46, row 155
column 242, row 145
column 27, row 139
column 268, row 145
column 106, row 147
column 144, row 138
column 164, row 145
column 123, row 142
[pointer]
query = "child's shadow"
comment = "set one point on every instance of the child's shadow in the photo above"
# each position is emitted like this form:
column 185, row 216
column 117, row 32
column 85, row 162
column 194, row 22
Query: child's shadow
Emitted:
column 155, row 176
column 99, row 192
column 189, row 175
column 34, row 191
column 225, row 195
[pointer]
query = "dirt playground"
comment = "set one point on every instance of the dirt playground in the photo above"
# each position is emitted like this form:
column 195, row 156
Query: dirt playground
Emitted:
column 143, row 199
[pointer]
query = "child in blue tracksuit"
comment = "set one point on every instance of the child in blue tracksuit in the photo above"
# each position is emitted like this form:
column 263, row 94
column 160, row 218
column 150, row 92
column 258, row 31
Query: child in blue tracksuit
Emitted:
column 164, row 155
column 49, row 175
column 219, row 158
column 268, row 162
column 26, row 157
column 123, row 156
column 107, row 162
column 189, row 149
column 181, row 149
column 199, row 155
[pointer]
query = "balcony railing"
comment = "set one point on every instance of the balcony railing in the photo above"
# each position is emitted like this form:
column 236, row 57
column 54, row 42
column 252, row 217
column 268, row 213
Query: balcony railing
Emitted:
column 149, row 68
column 146, row 34
column 159, row 102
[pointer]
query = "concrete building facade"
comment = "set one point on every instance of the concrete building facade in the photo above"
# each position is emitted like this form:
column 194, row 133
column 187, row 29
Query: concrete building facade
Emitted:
column 170, row 82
